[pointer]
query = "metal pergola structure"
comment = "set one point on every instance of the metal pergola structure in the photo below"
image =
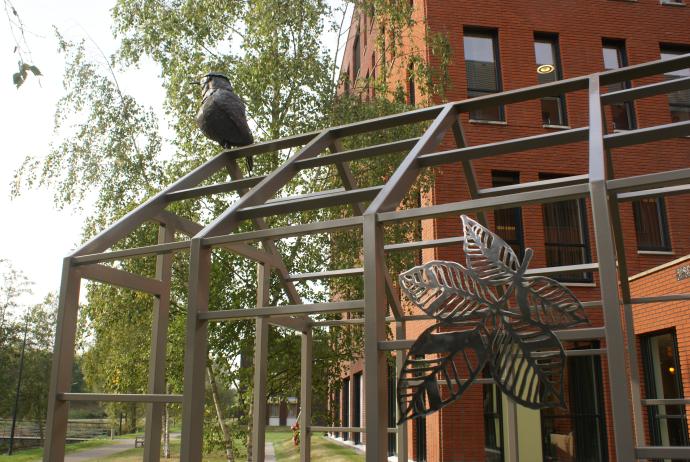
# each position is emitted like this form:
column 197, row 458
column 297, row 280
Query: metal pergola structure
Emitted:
column 604, row 190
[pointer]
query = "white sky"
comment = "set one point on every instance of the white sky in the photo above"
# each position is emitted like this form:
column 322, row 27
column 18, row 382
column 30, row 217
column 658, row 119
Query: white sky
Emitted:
column 35, row 236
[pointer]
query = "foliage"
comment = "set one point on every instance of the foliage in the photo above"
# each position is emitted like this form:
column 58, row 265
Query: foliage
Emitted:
column 38, row 325
column 109, row 150
column 21, row 46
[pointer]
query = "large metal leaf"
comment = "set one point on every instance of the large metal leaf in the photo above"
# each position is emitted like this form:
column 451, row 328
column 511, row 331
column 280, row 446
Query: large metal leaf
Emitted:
column 489, row 256
column 527, row 363
column 439, row 368
column 549, row 303
column 446, row 291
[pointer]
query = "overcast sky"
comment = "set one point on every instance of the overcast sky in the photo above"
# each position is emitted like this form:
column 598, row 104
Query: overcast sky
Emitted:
column 35, row 236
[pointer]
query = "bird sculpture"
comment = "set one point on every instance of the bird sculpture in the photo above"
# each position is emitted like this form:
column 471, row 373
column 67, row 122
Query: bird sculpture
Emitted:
column 221, row 116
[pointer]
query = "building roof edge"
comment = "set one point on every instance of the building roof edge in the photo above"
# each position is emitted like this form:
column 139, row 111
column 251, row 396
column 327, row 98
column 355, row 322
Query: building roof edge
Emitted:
column 659, row 268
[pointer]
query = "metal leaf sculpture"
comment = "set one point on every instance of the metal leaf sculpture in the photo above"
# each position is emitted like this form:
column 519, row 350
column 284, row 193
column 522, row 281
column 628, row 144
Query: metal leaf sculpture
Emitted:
column 490, row 315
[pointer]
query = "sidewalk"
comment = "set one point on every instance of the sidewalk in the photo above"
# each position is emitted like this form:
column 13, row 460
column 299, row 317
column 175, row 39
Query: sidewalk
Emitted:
column 269, row 453
column 103, row 451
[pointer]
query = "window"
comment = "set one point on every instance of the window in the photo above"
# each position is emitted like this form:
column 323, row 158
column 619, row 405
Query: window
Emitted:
column 356, row 58
column 508, row 222
column 346, row 407
column 373, row 74
column 392, row 406
column 367, row 92
column 622, row 114
column 650, row 224
column 412, row 97
column 668, row 425
column 578, row 432
column 565, row 233
column 549, row 70
column 336, row 410
column 679, row 101
column 493, row 423
column 357, row 406
column 483, row 70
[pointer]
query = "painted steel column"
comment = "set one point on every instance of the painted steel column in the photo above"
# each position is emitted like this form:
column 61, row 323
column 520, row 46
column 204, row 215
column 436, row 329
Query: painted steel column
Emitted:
column 263, row 276
column 305, row 396
column 513, row 445
column 635, row 390
column 375, row 364
column 196, row 354
column 615, row 344
column 159, row 341
column 63, row 359
column 401, row 431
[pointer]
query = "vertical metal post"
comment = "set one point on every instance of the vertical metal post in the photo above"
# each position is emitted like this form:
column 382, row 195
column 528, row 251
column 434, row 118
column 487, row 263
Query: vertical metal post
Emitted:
column 159, row 337
column 628, row 320
column 615, row 345
column 375, row 365
column 401, row 431
column 513, row 446
column 63, row 358
column 468, row 169
column 305, row 396
column 263, row 273
column 196, row 354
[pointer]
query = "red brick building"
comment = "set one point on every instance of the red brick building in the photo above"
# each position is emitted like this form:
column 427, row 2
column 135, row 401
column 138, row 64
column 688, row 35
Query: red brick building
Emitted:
column 499, row 46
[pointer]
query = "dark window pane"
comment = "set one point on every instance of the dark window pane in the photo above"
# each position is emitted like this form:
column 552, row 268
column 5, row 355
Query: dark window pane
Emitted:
column 483, row 75
column 508, row 222
column 578, row 432
column 622, row 114
column 667, row 423
column 679, row 101
column 412, row 96
column 549, row 70
column 346, row 407
column 565, row 236
column 650, row 224
column 552, row 111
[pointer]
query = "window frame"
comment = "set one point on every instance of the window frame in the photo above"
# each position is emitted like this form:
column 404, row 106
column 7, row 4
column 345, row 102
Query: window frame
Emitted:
column 356, row 57
column 622, row 58
column 663, row 224
column 493, row 35
column 554, row 40
column 570, row 278
column 517, row 211
column 650, row 387
column 675, row 49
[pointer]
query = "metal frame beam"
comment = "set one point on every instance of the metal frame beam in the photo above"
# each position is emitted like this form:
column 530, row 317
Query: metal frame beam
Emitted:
column 604, row 191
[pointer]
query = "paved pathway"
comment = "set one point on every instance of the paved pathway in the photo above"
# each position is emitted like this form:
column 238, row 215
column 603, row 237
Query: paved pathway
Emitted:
column 270, row 454
column 103, row 451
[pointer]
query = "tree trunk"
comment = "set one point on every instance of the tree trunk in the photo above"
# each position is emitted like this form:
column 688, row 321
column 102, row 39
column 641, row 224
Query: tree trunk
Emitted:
column 227, row 437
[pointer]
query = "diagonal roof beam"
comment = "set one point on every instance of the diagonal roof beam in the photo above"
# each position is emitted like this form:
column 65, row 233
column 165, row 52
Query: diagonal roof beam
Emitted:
column 228, row 221
column 269, row 244
column 150, row 208
column 349, row 182
column 408, row 170
column 467, row 167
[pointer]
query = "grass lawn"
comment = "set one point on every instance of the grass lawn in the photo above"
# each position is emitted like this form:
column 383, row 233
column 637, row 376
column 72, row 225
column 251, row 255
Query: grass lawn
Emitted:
column 32, row 455
column 286, row 451
column 321, row 449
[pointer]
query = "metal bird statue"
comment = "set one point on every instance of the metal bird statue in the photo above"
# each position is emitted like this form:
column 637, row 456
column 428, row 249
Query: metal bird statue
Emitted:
column 221, row 116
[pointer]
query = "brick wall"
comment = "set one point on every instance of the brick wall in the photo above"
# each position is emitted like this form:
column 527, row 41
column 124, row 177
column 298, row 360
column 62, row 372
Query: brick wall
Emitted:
column 668, row 316
column 456, row 433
